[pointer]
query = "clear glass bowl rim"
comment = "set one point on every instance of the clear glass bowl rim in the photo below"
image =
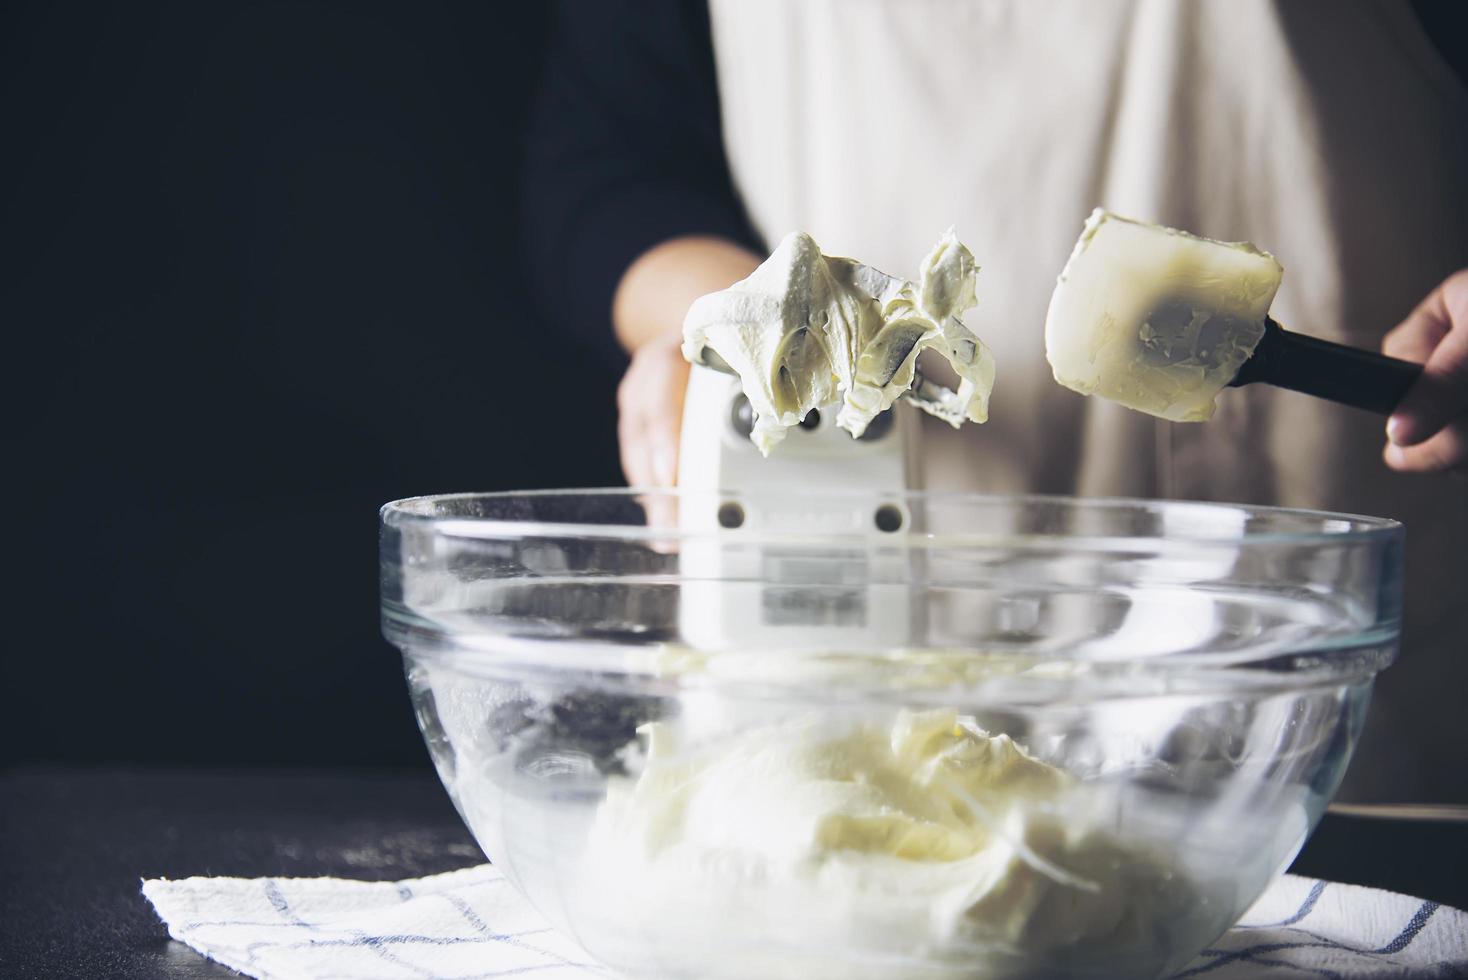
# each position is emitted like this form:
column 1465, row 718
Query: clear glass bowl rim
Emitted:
column 1328, row 661
column 1315, row 527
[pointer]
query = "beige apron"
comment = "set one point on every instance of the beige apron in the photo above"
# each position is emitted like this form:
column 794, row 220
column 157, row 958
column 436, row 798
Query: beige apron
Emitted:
column 1329, row 132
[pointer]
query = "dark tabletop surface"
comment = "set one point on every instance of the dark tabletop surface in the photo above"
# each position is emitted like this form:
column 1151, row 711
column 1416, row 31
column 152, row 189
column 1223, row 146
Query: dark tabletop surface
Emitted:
column 74, row 844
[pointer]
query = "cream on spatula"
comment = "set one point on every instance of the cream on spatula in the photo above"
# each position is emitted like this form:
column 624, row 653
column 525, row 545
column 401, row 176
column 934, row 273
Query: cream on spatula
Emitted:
column 1161, row 321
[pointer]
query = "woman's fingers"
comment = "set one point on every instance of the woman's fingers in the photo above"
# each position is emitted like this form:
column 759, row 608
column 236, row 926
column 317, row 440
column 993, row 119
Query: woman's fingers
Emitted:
column 1436, row 335
column 650, row 413
column 1415, row 337
column 1448, row 450
column 634, row 467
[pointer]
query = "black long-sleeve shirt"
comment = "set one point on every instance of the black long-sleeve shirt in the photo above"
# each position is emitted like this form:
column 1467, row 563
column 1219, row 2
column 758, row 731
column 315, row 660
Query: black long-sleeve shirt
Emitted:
column 624, row 150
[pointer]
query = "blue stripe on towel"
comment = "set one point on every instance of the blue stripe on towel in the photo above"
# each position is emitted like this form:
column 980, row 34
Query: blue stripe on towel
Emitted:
column 375, row 943
column 278, row 902
column 1306, row 907
column 469, row 915
column 1424, row 912
column 474, row 920
column 1403, row 939
column 1252, row 953
column 1318, row 971
column 392, row 939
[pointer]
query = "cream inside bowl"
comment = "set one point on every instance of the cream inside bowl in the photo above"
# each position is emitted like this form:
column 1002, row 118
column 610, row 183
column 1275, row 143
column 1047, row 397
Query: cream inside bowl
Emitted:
column 990, row 737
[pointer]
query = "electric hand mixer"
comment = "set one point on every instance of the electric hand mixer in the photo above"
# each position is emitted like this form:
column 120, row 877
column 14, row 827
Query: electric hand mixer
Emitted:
column 824, row 348
column 749, row 493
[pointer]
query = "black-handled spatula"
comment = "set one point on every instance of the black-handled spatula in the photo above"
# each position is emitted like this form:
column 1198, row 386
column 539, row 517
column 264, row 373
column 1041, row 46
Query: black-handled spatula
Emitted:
column 1335, row 372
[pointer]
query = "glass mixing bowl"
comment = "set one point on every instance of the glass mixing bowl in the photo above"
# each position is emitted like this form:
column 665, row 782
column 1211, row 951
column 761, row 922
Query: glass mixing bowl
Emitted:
column 914, row 735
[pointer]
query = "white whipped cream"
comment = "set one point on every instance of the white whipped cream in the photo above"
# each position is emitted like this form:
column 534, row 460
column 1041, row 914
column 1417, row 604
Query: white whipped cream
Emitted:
column 807, row 330
column 904, row 844
column 1157, row 319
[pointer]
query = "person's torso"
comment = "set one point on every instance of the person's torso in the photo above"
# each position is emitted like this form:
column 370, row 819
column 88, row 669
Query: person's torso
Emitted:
column 1328, row 133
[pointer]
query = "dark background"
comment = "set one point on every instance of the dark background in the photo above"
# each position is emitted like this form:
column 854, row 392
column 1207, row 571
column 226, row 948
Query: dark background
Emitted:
column 258, row 278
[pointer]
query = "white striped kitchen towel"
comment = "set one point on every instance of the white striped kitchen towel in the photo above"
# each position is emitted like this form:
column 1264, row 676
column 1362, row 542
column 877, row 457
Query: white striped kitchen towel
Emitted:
column 472, row 923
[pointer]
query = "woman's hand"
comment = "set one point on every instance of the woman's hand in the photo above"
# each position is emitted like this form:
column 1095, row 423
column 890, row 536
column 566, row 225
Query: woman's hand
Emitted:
column 647, row 312
column 650, row 411
column 1428, row 433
